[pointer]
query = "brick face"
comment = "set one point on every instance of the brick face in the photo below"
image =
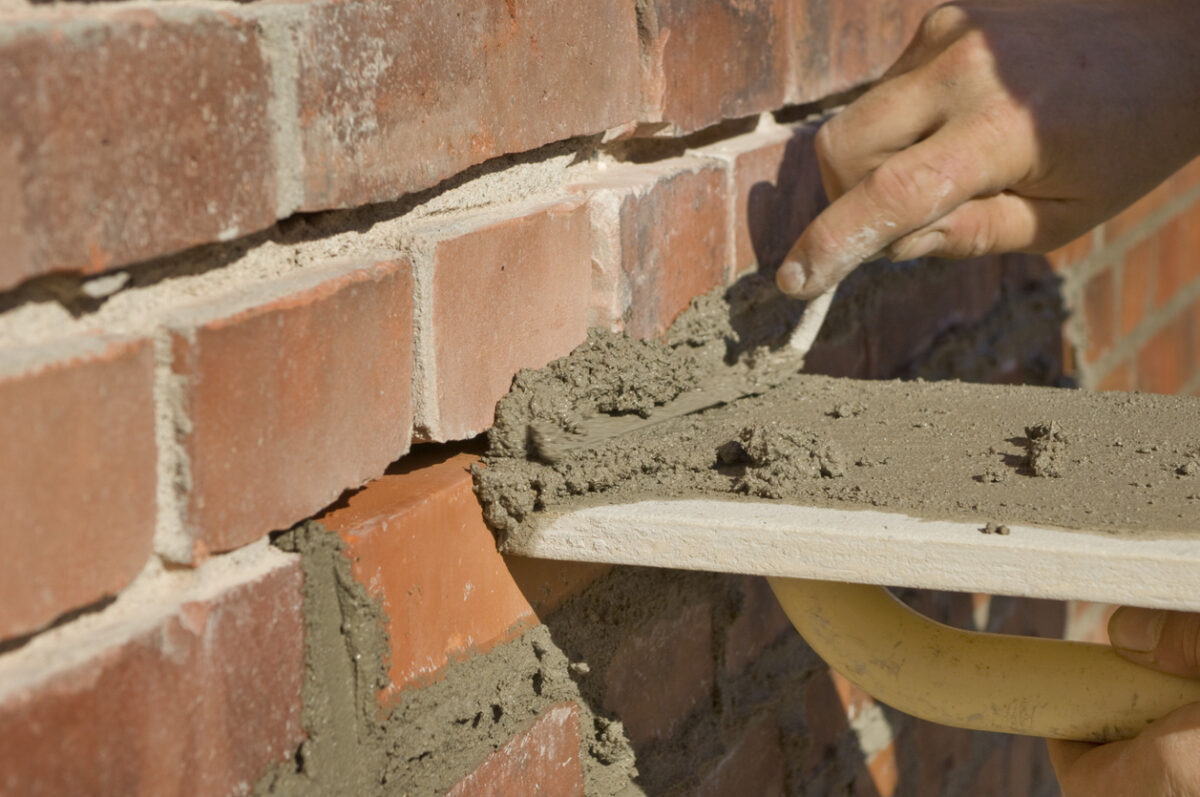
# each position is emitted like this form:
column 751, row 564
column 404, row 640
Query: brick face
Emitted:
column 293, row 399
column 542, row 760
column 198, row 697
column 662, row 672
column 129, row 134
column 418, row 542
column 660, row 238
column 713, row 60
column 78, row 463
column 509, row 291
column 395, row 96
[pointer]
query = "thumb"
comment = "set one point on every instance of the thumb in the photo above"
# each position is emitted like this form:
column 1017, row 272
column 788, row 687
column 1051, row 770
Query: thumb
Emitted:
column 1163, row 640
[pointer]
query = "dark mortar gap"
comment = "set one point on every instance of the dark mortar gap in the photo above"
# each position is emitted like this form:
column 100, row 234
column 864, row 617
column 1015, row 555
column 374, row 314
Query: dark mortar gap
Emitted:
column 16, row 643
column 67, row 288
column 649, row 149
column 812, row 111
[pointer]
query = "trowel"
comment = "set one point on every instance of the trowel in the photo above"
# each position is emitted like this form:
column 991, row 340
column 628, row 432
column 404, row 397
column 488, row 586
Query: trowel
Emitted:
column 828, row 567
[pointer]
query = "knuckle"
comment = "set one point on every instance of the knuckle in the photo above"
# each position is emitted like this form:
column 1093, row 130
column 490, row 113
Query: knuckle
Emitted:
column 912, row 190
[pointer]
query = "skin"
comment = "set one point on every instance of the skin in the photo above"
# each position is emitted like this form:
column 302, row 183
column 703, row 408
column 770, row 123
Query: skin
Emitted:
column 1164, row 760
column 1005, row 126
column 1018, row 125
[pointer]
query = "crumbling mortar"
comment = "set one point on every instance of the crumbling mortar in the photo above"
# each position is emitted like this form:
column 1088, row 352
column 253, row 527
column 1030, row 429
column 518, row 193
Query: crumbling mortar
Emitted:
column 171, row 428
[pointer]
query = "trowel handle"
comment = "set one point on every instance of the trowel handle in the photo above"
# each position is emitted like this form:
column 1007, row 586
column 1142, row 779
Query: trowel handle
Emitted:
column 982, row 681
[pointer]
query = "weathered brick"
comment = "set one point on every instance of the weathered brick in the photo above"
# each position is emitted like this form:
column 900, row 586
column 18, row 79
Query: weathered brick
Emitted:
column 710, row 60
column 418, row 542
column 883, row 773
column 1099, row 313
column 661, row 673
column 192, row 686
column 396, row 96
column 759, row 622
column 77, row 475
column 126, row 134
column 660, row 238
column 826, row 719
column 1178, row 256
column 290, row 395
column 542, row 760
column 546, row 583
column 755, row 765
column 508, row 290
column 776, row 192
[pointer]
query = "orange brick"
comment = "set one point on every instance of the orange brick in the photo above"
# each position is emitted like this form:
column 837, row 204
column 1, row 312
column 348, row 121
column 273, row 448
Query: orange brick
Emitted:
column 418, row 542
column 660, row 235
column 192, row 689
column 542, row 760
column 1163, row 363
column 77, row 476
column 711, row 60
column 1099, row 312
column 292, row 397
column 395, row 96
column 777, row 192
column 509, row 291
column 755, row 765
column 1179, row 258
column 661, row 673
column 1137, row 278
column 87, row 94
column 883, row 771
column 546, row 584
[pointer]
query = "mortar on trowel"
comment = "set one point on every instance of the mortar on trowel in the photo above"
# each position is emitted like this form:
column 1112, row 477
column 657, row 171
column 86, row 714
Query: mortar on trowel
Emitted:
column 669, row 472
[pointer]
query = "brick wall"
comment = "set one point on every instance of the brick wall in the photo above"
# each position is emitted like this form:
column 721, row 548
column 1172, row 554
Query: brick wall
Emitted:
column 252, row 252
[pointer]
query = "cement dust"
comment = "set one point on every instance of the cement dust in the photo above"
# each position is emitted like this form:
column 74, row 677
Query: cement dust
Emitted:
column 1107, row 462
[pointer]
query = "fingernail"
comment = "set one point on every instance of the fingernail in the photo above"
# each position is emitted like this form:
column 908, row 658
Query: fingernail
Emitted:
column 1136, row 630
column 791, row 278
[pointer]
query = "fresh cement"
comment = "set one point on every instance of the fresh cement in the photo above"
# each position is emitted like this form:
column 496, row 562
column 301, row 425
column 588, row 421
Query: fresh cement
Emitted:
column 1115, row 463
column 429, row 738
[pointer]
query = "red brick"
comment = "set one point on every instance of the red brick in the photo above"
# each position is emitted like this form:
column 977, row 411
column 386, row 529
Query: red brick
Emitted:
column 509, row 291
column 1163, row 363
column 883, row 772
column 127, row 134
column 541, row 760
column 1099, row 312
column 396, row 96
column 547, row 584
column 759, row 622
column 193, row 689
column 660, row 238
column 1137, row 280
column 418, row 542
column 78, row 477
column 661, row 673
column 755, row 765
column 776, row 192
column 711, row 60
column 826, row 719
column 1178, row 256
column 1119, row 378
column 292, row 394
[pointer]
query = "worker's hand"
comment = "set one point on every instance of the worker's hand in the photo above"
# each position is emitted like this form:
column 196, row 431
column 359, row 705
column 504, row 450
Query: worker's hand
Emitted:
column 1008, row 125
column 1164, row 759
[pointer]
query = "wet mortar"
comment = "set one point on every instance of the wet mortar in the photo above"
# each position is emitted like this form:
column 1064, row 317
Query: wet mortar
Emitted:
column 1114, row 463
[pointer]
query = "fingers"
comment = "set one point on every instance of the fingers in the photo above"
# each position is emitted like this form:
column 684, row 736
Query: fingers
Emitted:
column 908, row 191
column 1167, row 641
column 1002, row 223
column 888, row 118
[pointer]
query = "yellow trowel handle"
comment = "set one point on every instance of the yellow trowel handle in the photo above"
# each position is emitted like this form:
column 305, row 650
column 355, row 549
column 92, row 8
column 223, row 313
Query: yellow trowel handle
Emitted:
column 968, row 679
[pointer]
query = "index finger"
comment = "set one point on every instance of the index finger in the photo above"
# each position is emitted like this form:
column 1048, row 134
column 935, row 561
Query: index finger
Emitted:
column 909, row 190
